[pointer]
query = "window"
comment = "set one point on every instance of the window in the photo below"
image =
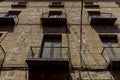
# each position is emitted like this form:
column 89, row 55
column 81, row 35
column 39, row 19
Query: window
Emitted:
column 55, row 23
column 108, row 39
column 93, row 14
column 51, row 46
column 21, row 4
column 55, row 14
column 56, row 4
column 12, row 14
column 91, row 5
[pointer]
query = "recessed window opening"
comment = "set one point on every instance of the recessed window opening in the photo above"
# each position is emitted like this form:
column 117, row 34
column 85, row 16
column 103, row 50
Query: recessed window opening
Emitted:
column 57, row 3
column 55, row 14
column 93, row 14
column 108, row 39
column 12, row 14
column 51, row 46
column 91, row 5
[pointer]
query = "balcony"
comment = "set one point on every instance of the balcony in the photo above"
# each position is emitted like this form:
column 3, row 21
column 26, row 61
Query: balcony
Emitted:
column 9, row 18
column 102, row 19
column 56, row 4
column 6, row 20
column 53, row 68
column 58, row 61
column 54, row 18
column 112, row 56
column 21, row 4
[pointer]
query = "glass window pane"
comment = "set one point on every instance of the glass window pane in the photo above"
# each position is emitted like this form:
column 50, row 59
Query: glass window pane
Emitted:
column 56, row 43
column 47, row 44
column 46, row 53
column 56, row 51
column 51, row 47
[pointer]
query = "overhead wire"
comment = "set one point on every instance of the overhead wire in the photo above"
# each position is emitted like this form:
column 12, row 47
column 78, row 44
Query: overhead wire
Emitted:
column 71, row 7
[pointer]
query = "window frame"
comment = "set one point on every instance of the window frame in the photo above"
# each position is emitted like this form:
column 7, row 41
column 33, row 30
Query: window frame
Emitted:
column 51, row 39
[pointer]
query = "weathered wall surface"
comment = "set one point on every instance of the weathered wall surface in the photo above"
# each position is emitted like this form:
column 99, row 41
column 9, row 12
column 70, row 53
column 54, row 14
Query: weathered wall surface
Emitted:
column 28, row 32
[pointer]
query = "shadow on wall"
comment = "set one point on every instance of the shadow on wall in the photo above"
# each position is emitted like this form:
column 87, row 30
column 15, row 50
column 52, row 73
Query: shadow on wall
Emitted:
column 116, row 74
column 106, row 29
column 1, row 0
column 8, row 28
column 56, row 29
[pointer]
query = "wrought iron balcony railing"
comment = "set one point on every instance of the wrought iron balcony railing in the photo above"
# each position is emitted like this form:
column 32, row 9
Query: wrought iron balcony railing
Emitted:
column 112, row 56
column 6, row 19
column 103, row 15
column 54, row 57
column 48, row 60
column 54, row 19
column 47, row 15
column 57, row 53
column 102, row 19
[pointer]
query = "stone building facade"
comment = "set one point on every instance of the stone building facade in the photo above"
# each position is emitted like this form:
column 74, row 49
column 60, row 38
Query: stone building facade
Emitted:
column 59, row 40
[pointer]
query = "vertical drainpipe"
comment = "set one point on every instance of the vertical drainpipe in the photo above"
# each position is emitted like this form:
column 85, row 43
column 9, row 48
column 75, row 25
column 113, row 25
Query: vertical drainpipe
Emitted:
column 81, row 39
column 81, row 31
